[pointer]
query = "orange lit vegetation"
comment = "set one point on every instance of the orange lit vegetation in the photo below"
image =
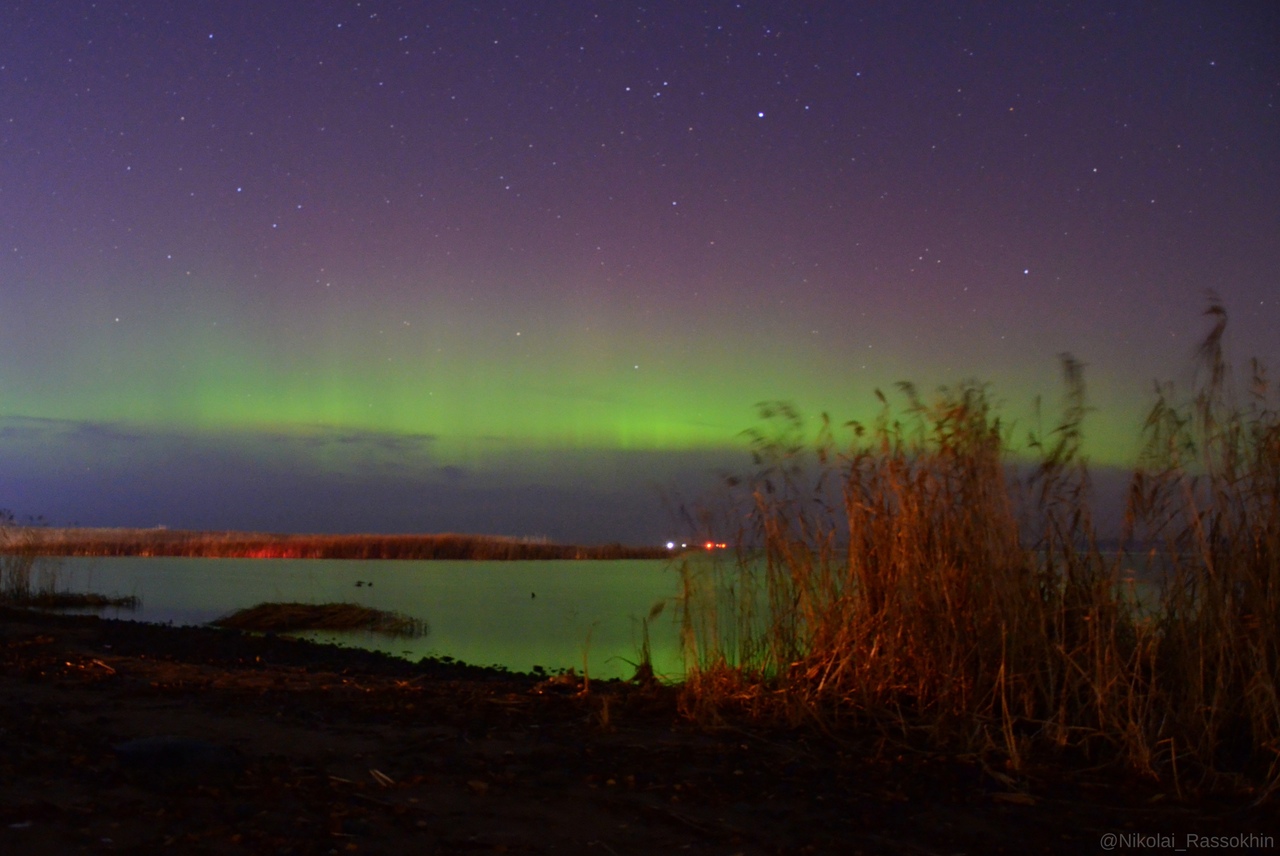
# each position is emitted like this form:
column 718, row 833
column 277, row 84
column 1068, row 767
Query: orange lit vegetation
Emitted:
column 175, row 542
column 911, row 580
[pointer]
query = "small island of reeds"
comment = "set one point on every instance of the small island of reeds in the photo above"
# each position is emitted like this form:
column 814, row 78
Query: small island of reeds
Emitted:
column 296, row 617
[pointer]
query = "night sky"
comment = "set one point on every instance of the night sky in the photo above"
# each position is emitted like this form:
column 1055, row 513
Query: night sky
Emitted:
column 514, row 268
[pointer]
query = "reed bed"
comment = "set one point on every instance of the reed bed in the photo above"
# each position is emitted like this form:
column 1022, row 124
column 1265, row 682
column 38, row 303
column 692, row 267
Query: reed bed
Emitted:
column 30, row 579
column 177, row 542
column 23, row 574
column 914, row 579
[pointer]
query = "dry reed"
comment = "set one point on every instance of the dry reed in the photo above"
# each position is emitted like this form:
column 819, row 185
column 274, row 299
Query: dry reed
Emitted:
column 914, row 580
column 28, row 578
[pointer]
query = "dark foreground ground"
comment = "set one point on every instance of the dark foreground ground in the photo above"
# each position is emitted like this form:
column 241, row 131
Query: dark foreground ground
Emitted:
column 122, row 737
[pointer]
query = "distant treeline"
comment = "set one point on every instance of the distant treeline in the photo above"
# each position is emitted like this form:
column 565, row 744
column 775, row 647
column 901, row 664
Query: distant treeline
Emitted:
column 250, row 545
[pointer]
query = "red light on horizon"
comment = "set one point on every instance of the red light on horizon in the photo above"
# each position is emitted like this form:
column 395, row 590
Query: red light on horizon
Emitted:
column 706, row 545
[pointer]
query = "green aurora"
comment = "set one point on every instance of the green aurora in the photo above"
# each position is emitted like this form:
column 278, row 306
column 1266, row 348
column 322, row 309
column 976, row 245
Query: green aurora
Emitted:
column 440, row 267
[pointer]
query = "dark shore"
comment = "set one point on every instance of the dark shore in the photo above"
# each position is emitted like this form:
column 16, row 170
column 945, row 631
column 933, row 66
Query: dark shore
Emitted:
column 124, row 737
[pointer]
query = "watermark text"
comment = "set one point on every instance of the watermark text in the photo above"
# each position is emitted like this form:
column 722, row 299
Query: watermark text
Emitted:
column 1186, row 842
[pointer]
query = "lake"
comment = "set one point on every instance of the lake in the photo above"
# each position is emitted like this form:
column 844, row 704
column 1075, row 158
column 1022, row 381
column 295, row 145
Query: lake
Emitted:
column 553, row 614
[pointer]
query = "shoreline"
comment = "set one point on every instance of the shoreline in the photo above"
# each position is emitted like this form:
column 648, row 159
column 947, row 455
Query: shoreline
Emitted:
column 149, row 736
column 107, row 542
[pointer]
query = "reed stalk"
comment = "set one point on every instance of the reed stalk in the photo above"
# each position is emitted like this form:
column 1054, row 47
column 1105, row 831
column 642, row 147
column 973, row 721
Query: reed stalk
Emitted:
column 916, row 579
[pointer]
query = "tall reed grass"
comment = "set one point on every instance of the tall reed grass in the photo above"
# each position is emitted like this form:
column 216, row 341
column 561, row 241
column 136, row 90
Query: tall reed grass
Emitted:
column 915, row 579
column 30, row 578
column 24, row 577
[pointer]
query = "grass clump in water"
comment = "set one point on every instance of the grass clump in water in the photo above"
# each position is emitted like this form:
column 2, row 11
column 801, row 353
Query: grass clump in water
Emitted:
column 911, row 579
column 296, row 617
column 30, row 579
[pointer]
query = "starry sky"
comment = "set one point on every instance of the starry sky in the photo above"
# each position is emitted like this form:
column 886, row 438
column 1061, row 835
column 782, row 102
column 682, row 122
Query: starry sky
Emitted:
column 527, row 268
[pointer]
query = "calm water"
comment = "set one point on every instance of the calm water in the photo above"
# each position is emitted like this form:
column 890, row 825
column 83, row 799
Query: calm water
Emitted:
column 484, row 613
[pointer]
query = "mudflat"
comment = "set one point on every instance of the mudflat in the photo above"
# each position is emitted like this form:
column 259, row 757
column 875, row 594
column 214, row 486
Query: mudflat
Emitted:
column 123, row 737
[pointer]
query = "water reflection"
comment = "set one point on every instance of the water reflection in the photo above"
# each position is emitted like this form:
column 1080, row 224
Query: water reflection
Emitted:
column 553, row 614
